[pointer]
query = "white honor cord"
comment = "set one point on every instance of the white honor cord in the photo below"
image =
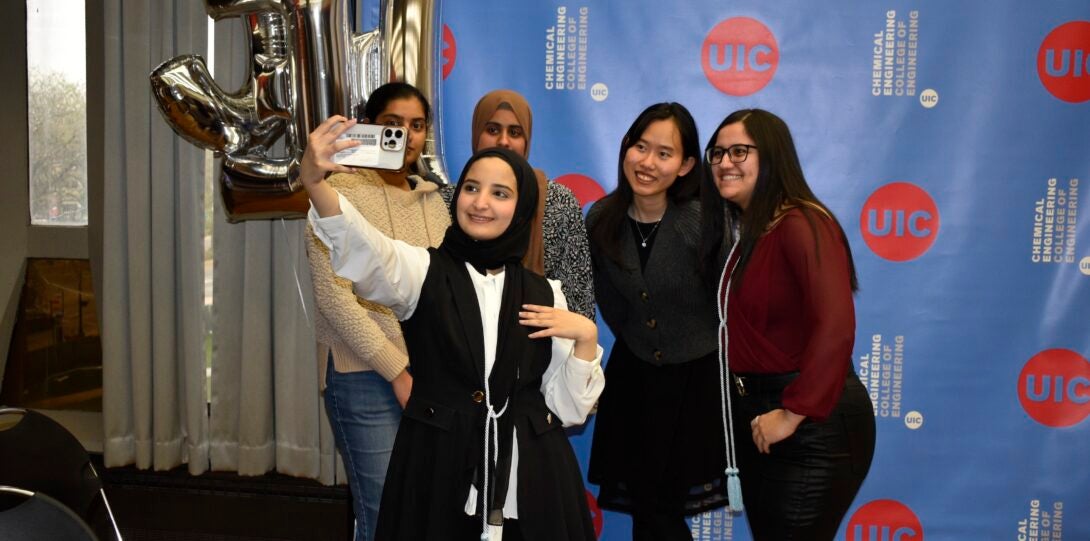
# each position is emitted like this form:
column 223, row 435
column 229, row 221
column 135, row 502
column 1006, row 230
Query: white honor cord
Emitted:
column 734, row 499
column 491, row 435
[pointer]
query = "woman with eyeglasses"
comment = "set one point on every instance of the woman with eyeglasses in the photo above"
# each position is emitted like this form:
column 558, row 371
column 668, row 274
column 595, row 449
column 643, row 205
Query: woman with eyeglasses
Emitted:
column 801, row 424
column 658, row 451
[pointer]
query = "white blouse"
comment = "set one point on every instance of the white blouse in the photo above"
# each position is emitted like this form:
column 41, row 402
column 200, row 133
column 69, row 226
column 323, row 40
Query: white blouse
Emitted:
column 391, row 273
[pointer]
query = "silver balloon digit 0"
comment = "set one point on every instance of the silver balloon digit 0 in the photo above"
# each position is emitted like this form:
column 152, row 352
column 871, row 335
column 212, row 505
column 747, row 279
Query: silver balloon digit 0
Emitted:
column 413, row 45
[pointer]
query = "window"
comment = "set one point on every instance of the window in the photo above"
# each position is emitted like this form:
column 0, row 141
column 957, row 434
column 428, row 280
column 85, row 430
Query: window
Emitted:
column 57, row 112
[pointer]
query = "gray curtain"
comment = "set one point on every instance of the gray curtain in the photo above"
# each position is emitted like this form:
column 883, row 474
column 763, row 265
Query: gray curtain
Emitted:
column 266, row 411
column 154, row 412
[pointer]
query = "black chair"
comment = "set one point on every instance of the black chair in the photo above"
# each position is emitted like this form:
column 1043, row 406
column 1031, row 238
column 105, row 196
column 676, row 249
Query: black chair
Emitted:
column 40, row 456
column 33, row 516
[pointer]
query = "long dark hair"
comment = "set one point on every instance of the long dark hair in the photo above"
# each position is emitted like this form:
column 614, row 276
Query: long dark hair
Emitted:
column 606, row 230
column 383, row 95
column 780, row 182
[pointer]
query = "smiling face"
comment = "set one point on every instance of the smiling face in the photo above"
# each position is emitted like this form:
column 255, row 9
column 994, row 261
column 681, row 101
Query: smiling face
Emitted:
column 407, row 113
column 503, row 130
column 736, row 181
column 486, row 201
column 654, row 161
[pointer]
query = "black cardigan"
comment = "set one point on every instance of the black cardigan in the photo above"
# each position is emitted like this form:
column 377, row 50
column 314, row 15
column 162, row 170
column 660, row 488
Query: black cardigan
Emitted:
column 665, row 314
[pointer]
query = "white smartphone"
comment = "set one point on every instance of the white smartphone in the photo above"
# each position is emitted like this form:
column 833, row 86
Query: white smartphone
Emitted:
column 381, row 147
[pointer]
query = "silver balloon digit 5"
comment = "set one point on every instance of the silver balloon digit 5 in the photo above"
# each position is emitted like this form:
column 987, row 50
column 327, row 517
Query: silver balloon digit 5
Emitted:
column 306, row 65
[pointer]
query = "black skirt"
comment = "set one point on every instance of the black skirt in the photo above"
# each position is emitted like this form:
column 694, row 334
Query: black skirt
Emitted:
column 658, row 438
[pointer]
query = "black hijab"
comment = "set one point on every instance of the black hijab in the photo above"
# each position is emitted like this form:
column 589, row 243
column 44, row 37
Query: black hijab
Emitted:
column 511, row 245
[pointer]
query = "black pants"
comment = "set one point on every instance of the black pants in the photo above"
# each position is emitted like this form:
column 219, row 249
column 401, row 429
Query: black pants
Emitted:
column 804, row 487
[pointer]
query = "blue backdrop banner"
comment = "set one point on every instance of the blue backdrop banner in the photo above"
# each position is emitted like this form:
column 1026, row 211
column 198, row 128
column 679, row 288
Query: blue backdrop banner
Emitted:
column 952, row 139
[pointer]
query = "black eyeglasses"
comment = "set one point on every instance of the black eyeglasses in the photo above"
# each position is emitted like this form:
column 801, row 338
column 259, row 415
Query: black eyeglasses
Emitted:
column 736, row 153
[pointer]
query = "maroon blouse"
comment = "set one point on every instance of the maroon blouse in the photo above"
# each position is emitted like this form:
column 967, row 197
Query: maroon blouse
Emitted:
column 793, row 311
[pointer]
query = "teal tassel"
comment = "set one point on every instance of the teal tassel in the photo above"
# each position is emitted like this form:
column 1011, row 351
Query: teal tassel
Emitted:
column 734, row 491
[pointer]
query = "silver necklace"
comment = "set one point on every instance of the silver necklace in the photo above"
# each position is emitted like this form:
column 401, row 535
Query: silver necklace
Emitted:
column 636, row 218
column 643, row 238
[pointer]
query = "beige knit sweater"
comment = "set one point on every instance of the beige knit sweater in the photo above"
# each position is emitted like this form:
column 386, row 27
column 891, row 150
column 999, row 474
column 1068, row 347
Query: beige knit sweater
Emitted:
column 364, row 335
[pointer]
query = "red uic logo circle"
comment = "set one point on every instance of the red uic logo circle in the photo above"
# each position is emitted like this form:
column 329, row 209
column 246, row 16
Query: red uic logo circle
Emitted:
column 586, row 189
column 595, row 513
column 740, row 56
column 899, row 221
column 450, row 51
column 1063, row 61
column 884, row 520
column 1054, row 387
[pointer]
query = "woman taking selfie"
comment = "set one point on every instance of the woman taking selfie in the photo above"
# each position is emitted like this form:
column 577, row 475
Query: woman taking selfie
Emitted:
column 499, row 365
column 558, row 240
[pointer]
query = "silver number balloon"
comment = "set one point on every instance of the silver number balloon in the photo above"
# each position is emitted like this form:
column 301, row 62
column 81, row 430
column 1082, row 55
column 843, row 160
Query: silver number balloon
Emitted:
column 307, row 64
column 413, row 42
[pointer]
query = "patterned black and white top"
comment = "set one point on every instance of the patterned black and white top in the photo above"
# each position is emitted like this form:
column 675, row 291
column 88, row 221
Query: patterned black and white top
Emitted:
column 567, row 250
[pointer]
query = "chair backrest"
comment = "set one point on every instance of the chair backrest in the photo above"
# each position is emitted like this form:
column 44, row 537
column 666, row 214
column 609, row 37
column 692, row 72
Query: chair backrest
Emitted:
column 40, row 455
column 34, row 516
